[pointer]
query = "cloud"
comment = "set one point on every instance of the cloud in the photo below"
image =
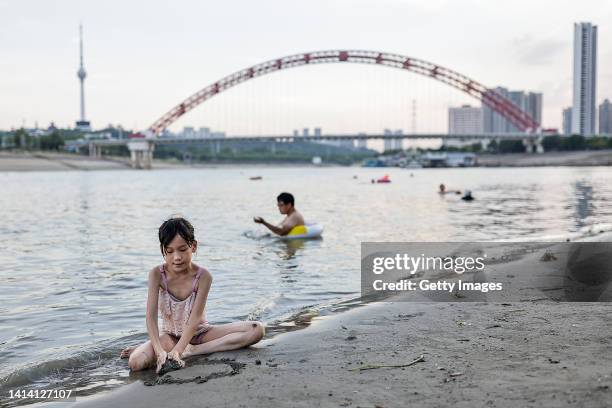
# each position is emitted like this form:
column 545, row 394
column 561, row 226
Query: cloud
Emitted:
column 530, row 51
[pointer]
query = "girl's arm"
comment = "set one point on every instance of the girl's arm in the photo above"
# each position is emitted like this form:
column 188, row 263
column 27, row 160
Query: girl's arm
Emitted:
column 152, row 328
column 196, row 315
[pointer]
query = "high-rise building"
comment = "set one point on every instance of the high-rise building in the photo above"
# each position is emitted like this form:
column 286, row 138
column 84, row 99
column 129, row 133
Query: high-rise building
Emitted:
column 530, row 102
column 534, row 106
column 82, row 124
column 585, row 76
column 493, row 122
column 466, row 120
column 203, row 132
column 390, row 142
column 567, row 121
column 188, row 132
column 605, row 118
column 361, row 143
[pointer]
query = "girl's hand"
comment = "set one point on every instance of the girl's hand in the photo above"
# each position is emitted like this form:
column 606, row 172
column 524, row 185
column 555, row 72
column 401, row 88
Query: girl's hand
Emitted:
column 161, row 359
column 176, row 356
column 258, row 220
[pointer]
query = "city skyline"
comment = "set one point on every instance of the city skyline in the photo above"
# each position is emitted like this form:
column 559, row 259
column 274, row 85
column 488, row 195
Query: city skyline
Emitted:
column 141, row 62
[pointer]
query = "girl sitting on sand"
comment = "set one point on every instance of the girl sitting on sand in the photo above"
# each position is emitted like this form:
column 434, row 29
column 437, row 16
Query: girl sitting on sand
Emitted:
column 180, row 289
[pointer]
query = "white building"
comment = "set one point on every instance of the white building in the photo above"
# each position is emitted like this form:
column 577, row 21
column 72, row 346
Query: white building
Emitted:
column 393, row 143
column 466, row 120
column 203, row 132
column 585, row 74
column 188, row 132
column 361, row 143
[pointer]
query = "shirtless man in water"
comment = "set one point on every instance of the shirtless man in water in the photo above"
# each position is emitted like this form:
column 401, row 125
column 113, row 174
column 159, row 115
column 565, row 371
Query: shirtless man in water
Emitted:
column 285, row 202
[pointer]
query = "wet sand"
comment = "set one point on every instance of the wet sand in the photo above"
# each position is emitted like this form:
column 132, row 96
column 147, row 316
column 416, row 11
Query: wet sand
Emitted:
column 37, row 161
column 537, row 352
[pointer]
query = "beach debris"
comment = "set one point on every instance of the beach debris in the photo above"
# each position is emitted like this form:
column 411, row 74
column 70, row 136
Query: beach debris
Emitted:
column 548, row 256
column 410, row 315
column 351, row 337
column 534, row 300
column 375, row 366
column 169, row 365
column 492, row 326
column 457, row 294
column 460, row 322
column 256, row 178
column 553, row 361
column 344, row 327
column 257, row 362
column 455, row 374
column 463, row 339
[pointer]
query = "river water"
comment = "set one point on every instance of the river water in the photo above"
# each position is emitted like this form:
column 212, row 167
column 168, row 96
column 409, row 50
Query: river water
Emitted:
column 77, row 247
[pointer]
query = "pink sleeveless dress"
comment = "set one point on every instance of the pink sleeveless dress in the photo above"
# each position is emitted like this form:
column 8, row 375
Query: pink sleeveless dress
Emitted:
column 175, row 313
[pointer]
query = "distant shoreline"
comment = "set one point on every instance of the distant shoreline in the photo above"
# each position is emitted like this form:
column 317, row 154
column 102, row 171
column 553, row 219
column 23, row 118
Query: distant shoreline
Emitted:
column 573, row 158
column 51, row 161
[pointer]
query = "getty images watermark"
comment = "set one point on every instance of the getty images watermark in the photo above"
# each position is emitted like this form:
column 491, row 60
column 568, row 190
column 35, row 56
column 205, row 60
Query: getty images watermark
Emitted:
column 479, row 271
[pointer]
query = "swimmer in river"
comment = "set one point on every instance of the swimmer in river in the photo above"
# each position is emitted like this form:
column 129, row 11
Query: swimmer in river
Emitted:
column 179, row 288
column 443, row 190
column 467, row 196
column 286, row 206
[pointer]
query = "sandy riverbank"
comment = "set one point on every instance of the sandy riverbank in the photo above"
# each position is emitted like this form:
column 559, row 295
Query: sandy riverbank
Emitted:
column 580, row 158
column 47, row 161
column 537, row 352
column 37, row 161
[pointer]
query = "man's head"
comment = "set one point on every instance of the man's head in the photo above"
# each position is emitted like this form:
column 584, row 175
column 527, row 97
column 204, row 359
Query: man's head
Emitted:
column 285, row 202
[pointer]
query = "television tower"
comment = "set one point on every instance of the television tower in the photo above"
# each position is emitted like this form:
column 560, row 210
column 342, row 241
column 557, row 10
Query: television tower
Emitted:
column 82, row 124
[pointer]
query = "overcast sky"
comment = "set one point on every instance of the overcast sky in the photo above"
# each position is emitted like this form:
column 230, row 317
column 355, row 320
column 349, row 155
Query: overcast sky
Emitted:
column 144, row 57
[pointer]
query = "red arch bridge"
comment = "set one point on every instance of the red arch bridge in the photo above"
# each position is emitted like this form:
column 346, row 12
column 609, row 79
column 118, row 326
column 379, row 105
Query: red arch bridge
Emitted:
column 515, row 115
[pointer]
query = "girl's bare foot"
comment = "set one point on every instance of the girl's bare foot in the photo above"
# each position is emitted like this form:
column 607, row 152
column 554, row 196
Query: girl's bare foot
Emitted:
column 188, row 351
column 125, row 353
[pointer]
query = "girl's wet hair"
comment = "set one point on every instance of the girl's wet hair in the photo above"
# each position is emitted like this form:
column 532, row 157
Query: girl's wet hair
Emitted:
column 173, row 226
